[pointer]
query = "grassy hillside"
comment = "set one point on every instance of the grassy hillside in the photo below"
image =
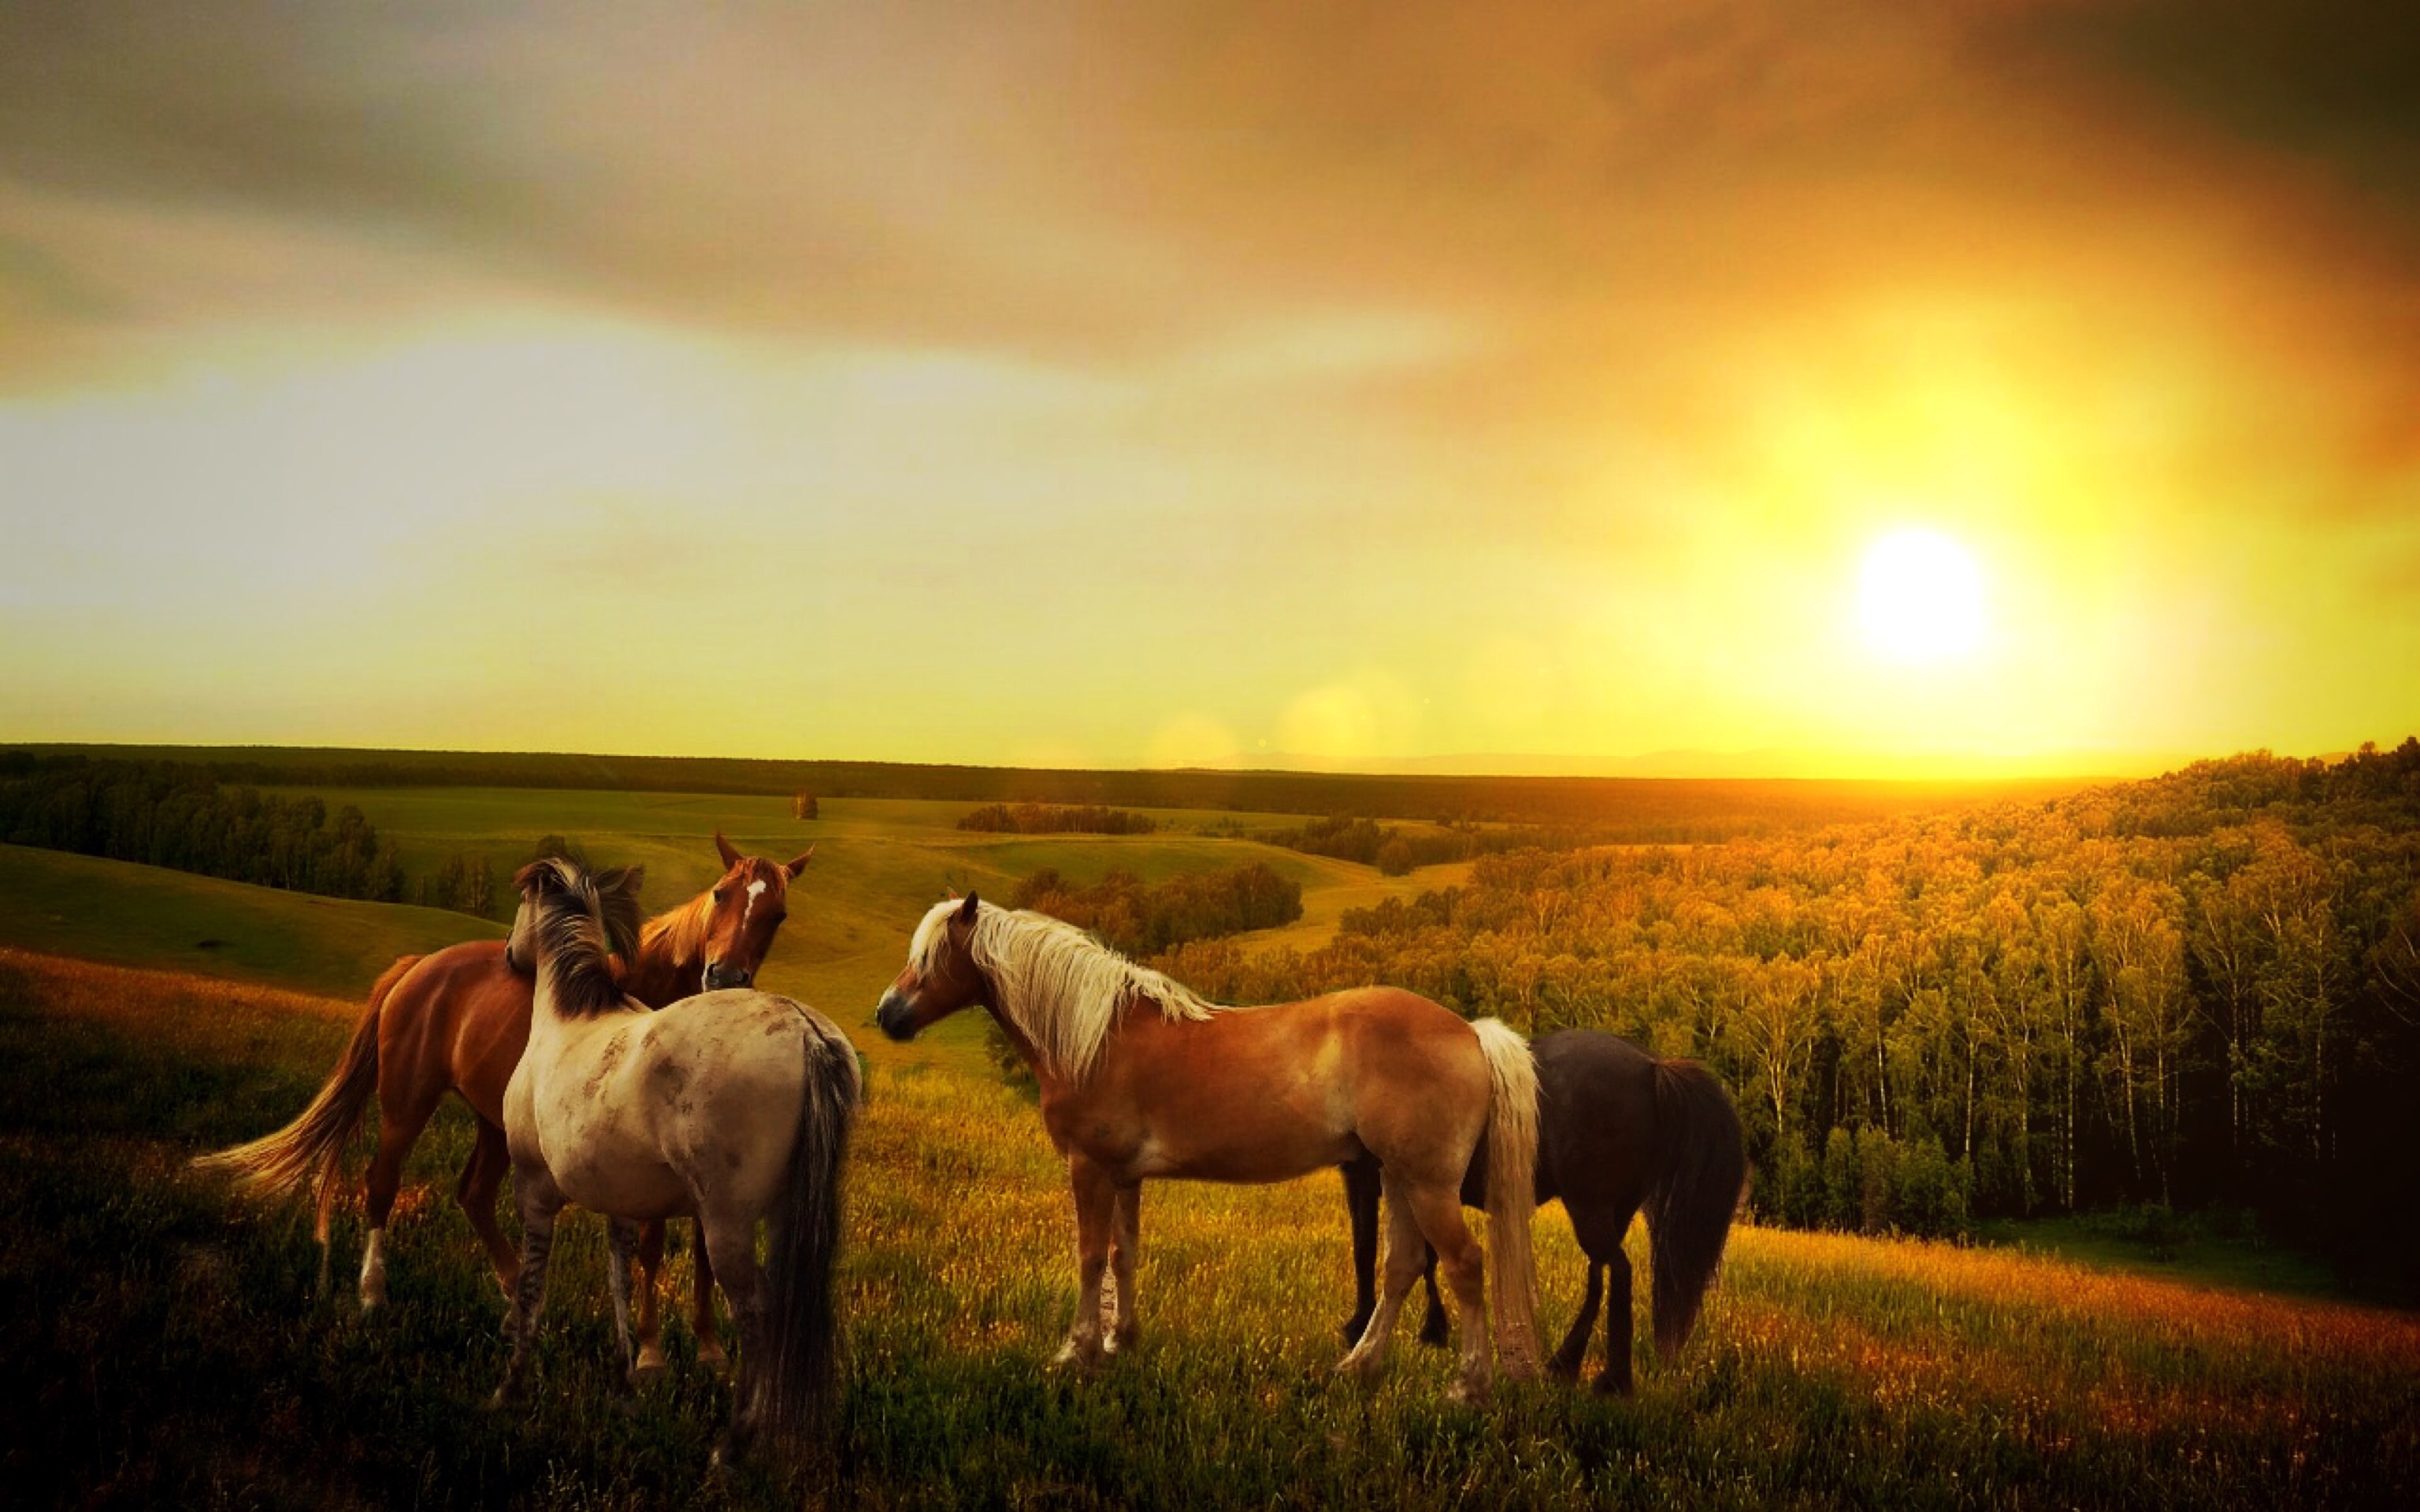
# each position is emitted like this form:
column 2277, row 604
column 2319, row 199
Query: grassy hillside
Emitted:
column 143, row 915
column 878, row 864
column 166, row 1341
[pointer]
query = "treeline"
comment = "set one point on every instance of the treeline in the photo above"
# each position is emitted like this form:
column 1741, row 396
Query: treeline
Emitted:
column 163, row 814
column 1396, row 851
column 1057, row 819
column 1635, row 809
column 1143, row 918
column 2203, row 989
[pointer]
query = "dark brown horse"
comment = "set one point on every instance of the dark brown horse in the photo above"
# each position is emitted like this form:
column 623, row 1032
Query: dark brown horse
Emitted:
column 1617, row 1128
column 1143, row 1079
column 456, row 1020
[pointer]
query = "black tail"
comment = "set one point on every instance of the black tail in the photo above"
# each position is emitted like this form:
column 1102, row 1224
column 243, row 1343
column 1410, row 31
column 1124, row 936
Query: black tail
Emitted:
column 796, row 1383
column 1691, row 1195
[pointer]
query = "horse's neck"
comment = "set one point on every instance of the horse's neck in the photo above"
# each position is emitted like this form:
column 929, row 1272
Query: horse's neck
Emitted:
column 663, row 971
column 551, row 1030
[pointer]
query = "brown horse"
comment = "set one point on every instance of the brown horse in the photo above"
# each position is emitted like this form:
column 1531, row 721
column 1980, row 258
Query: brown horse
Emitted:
column 456, row 1020
column 1619, row 1128
column 1141, row 1078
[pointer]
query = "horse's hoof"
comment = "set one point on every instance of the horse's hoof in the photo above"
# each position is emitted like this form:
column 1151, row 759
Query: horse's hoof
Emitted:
column 1124, row 1342
column 1077, row 1359
column 1566, row 1372
column 1609, row 1384
column 1367, row 1369
column 646, row 1373
column 713, row 1358
column 1434, row 1334
column 1467, row 1394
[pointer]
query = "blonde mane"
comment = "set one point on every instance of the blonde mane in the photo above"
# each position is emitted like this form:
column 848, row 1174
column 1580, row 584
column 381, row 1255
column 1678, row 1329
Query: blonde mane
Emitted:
column 1060, row 987
column 679, row 932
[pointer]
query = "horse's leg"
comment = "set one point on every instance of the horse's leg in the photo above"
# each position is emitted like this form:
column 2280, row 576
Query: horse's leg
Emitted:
column 1600, row 1235
column 1096, row 1198
column 539, row 1204
column 1434, row 1329
column 650, row 1360
column 1437, row 1211
column 1567, row 1360
column 709, row 1340
column 1361, row 1207
column 403, row 1110
column 475, row 1193
column 622, row 1249
column 1125, row 1235
column 731, row 1239
column 1368, row 1358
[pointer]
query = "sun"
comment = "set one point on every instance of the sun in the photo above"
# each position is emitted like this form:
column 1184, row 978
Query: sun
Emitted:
column 1920, row 597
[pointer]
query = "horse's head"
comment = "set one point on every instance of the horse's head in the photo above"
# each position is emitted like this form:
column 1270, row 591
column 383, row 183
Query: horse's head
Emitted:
column 742, row 913
column 566, row 912
column 941, row 975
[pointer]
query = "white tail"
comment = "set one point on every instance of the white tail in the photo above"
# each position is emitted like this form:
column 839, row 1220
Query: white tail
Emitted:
column 1512, row 1196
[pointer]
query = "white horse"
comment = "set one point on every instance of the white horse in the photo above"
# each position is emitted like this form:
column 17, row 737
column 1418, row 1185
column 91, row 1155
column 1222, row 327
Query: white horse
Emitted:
column 728, row 1107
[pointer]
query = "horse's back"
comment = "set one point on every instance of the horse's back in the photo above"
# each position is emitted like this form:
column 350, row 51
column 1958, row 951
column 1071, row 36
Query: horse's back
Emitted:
column 714, row 1085
column 461, row 1015
column 1596, row 1112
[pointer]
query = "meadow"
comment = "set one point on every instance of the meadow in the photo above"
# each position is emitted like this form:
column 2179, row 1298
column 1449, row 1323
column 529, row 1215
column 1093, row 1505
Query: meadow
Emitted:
column 162, row 1344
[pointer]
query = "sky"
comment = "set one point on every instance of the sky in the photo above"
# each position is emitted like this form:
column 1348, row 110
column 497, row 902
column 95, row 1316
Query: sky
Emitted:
column 1372, row 386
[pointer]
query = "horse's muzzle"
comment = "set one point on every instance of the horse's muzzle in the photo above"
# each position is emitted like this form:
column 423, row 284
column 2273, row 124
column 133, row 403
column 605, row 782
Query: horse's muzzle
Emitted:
column 718, row 975
column 894, row 1017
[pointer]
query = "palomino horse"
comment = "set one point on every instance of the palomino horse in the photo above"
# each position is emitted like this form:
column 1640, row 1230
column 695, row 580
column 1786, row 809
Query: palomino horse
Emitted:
column 1617, row 1128
column 731, row 1106
column 1141, row 1078
column 455, row 1021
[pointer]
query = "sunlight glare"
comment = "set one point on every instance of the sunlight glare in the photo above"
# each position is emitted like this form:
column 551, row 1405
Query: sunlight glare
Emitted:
column 1920, row 597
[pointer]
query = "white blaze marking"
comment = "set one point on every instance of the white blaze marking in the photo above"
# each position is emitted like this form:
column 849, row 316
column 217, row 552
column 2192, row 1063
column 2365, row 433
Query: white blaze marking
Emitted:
column 755, row 890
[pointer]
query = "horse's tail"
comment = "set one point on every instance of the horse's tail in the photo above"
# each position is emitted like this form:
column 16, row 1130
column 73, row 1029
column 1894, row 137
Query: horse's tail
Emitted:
column 310, row 1150
column 1511, row 1196
column 796, row 1386
column 1691, row 1193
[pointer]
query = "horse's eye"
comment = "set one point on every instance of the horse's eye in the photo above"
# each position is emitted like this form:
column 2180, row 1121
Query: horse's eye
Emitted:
column 721, row 895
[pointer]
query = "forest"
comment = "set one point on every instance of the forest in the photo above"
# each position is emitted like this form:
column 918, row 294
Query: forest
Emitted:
column 1142, row 918
column 169, row 814
column 2201, row 989
column 1057, row 819
column 1398, row 850
column 1635, row 810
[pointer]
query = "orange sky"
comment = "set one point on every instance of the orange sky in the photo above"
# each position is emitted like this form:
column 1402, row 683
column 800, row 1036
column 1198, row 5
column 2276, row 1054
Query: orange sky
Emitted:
column 1116, row 385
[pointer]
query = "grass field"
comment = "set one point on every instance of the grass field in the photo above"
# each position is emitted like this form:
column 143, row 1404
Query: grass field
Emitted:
column 159, row 1345
column 168, row 1344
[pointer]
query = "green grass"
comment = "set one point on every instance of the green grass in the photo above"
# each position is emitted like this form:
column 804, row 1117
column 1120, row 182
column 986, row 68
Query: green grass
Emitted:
column 148, row 917
column 879, row 862
column 166, row 1343
column 2188, row 1249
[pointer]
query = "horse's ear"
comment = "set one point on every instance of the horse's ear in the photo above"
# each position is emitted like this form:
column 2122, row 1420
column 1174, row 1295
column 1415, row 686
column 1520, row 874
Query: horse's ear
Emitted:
column 800, row 864
column 730, row 856
column 966, row 909
column 528, row 876
column 623, row 880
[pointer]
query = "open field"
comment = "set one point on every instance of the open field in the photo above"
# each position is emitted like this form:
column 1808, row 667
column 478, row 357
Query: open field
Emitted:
column 165, row 1340
column 879, row 862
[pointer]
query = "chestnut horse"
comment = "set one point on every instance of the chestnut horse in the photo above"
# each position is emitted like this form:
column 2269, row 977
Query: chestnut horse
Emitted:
column 1141, row 1078
column 455, row 1020
column 1619, row 1128
column 732, row 1106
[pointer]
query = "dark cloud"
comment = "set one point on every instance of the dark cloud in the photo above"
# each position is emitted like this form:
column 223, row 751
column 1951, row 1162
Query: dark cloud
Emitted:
column 2336, row 81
